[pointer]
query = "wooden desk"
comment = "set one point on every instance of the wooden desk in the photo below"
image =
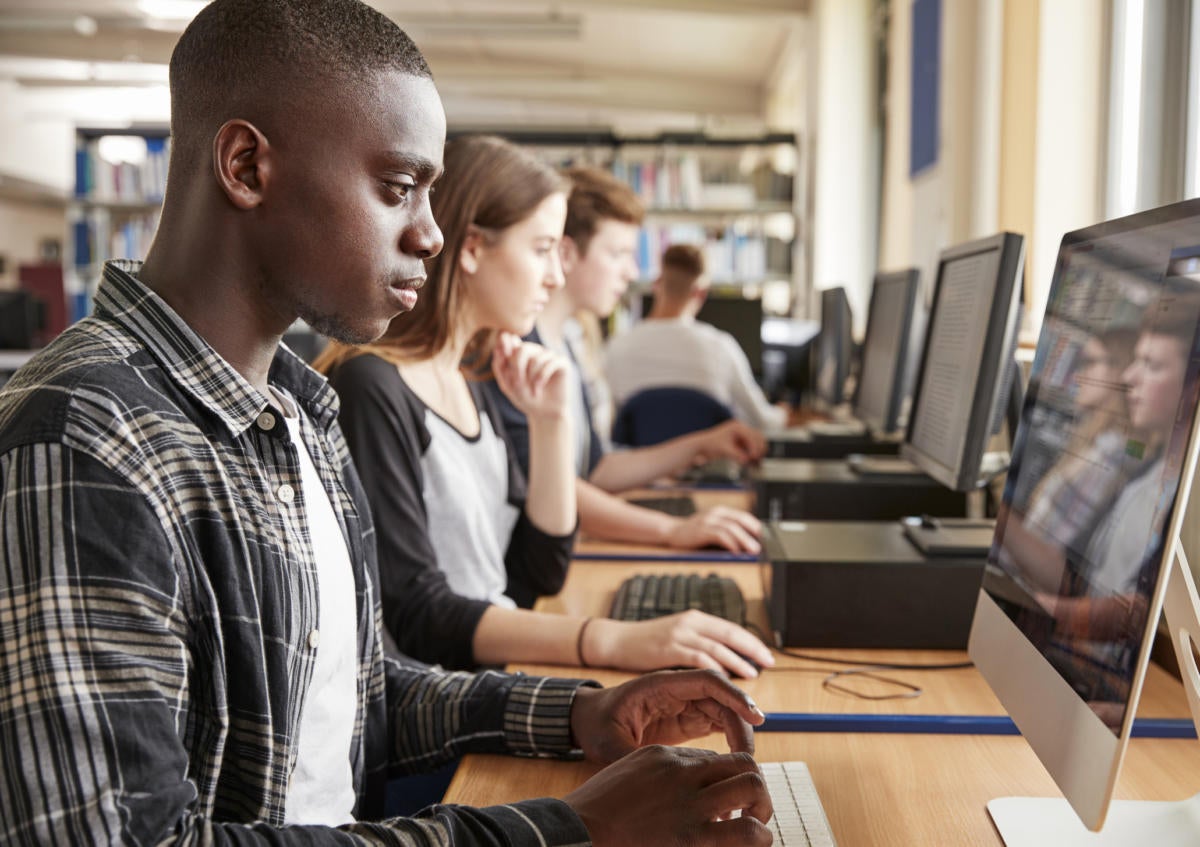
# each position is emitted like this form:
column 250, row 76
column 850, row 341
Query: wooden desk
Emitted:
column 881, row 790
column 878, row 789
column 795, row 684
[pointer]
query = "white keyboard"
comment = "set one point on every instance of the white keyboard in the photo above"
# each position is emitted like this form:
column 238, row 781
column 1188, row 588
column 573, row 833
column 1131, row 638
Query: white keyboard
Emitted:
column 799, row 820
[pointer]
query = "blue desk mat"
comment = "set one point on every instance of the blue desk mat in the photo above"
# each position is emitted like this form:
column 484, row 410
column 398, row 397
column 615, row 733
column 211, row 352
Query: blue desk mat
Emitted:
column 945, row 724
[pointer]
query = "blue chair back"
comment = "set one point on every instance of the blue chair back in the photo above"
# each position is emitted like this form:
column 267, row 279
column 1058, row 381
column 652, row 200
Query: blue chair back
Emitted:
column 655, row 415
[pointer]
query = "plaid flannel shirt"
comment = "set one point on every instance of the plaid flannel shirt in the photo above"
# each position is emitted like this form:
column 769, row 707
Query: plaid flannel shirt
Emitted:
column 158, row 609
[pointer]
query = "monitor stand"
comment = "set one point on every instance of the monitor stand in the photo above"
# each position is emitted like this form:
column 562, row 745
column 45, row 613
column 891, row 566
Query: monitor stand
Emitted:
column 1051, row 822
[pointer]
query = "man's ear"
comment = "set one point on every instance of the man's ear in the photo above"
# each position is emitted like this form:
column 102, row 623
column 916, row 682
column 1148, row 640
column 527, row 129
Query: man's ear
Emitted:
column 242, row 163
column 568, row 253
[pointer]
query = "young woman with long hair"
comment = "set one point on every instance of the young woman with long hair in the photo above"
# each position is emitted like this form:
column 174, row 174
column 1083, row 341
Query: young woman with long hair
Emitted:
column 465, row 540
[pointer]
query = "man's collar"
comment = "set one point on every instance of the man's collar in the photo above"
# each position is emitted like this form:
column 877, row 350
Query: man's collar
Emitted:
column 192, row 362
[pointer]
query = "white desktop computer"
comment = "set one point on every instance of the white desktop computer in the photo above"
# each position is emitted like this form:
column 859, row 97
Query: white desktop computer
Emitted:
column 1087, row 545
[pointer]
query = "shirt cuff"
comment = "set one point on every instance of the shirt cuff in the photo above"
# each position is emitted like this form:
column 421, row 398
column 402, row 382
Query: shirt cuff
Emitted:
column 537, row 716
column 548, row 822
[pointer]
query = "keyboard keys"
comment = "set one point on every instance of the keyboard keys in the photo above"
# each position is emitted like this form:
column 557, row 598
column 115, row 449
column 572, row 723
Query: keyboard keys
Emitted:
column 646, row 596
column 799, row 819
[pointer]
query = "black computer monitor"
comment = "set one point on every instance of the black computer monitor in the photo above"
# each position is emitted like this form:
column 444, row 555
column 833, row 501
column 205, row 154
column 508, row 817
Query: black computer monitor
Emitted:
column 964, row 379
column 883, row 374
column 1087, row 547
column 835, row 348
column 21, row 316
column 742, row 318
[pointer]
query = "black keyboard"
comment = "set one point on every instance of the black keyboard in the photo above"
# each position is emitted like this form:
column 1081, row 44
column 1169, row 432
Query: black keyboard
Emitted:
column 645, row 596
column 680, row 507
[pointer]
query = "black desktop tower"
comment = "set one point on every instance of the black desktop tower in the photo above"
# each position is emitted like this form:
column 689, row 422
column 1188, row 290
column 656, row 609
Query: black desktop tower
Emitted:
column 857, row 584
column 800, row 444
column 801, row 489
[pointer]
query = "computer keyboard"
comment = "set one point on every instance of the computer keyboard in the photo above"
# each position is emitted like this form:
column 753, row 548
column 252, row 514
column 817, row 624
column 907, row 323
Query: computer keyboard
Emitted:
column 645, row 596
column 799, row 819
column 720, row 471
column 679, row 507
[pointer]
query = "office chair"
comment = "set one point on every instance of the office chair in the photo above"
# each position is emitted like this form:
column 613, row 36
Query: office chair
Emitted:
column 654, row 415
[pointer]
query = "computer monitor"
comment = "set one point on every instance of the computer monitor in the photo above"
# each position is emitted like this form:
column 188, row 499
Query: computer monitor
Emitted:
column 741, row 317
column 883, row 375
column 20, row 320
column 1087, row 544
column 835, row 347
column 965, row 374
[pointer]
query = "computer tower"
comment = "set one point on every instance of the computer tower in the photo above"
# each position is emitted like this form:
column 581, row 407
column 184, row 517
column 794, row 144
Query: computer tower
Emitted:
column 859, row 584
column 802, row 489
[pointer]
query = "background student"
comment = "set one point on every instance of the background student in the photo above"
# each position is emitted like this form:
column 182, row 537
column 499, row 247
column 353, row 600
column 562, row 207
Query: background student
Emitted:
column 192, row 649
column 598, row 249
column 670, row 348
column 463, row 539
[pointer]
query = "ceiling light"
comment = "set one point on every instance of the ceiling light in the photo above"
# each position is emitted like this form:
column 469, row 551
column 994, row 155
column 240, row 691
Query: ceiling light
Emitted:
column 171, row 10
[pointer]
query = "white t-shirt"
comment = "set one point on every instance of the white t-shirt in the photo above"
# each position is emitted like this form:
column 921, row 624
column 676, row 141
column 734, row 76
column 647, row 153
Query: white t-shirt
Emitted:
column 466, row 489
column 684, row 353
column 321, row 789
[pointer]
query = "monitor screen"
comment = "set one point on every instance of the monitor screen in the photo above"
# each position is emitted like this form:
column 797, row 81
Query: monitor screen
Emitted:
column 883, row 374
column 1091, row 505
column 835, row 346
column 741, row 317
column 964, row 377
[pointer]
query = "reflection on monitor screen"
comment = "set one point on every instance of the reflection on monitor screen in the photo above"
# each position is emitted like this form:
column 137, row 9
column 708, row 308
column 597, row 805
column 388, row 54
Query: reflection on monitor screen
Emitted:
column 882, row 381
column 1091, row 507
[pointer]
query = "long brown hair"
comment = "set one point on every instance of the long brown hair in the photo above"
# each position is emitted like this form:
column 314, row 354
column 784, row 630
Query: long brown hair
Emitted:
column 489, row 185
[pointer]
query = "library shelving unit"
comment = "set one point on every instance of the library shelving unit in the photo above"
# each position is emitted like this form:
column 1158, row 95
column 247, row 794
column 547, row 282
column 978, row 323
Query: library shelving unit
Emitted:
column 114, row 209
column 734, row 196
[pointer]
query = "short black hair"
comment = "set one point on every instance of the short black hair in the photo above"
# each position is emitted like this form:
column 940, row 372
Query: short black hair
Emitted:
column 239, row 52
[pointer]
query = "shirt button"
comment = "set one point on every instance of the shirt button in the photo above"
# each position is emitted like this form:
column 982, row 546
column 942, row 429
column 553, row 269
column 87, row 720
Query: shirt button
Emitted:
column 266, row 422
column 286, row 493
column 314, row 639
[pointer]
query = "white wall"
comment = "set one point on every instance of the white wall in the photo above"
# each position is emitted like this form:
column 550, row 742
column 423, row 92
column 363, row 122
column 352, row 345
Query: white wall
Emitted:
column 1070, row 137
column 22, row 228
column 954, row 199
column 844, row 173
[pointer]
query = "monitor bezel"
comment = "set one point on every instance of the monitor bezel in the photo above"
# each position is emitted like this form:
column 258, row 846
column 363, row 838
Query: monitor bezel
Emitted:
column 890, row 421
column 845, row 351
column 1078, row 750
column 989, row 384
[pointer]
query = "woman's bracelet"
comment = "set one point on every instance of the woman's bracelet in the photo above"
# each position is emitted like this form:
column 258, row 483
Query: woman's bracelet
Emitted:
column 579, row 643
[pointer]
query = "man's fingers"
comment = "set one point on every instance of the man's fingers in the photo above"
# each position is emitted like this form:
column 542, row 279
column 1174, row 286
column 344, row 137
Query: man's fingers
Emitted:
column 746, row 831
column 744, row 792
column 702, row 685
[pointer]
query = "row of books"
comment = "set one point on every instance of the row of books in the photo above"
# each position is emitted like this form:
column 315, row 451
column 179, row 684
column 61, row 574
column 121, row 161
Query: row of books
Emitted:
column 731, row 254
column 101, row 180
column 97, row 237
column 681, row 182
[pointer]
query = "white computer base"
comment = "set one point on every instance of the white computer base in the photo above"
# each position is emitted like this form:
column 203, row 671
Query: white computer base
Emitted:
column 1051, row 822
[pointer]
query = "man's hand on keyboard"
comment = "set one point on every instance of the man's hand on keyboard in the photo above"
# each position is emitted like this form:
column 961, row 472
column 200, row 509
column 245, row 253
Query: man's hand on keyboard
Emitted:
column 687, row 639
column 667, row 707
column 720, row 526
column 660, row 796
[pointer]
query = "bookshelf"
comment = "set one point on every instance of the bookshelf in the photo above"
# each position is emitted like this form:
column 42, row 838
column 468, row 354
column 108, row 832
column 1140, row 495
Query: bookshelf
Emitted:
column 735, row 196
column 120, row 177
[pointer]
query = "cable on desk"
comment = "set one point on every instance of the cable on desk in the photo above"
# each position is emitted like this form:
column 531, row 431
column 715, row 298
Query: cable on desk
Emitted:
column 886, row 666
column 861, row 670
